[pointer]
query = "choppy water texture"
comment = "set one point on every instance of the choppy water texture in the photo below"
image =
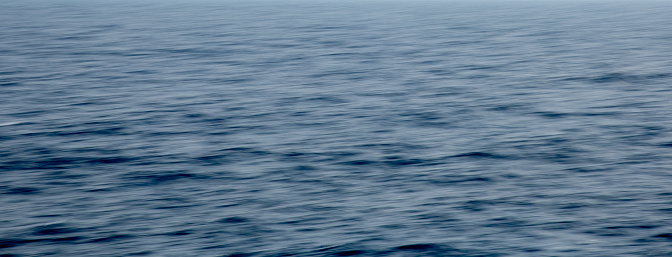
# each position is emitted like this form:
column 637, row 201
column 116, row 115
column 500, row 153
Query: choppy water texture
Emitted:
column 335, row 128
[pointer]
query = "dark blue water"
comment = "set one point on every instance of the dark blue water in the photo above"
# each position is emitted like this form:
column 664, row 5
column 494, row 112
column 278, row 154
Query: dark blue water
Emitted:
column 330, row 128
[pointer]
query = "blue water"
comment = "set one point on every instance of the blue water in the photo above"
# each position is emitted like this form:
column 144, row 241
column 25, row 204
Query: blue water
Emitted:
column 335, row 128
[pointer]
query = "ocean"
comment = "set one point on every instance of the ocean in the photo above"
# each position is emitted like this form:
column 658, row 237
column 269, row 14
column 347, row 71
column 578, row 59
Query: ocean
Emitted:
column 335, row 128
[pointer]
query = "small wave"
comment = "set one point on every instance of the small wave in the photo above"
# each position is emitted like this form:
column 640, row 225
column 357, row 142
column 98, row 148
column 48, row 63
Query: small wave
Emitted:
column 621, row 77
column 22, row 191
column 160, row 178
column 480, row 155
column 233, row 220
column 111, row 238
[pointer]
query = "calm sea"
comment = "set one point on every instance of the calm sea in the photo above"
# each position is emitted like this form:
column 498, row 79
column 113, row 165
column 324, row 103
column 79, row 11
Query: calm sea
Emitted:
column 335, row 128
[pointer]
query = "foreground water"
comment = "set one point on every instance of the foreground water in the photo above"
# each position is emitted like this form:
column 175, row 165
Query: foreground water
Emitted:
column 335, row 129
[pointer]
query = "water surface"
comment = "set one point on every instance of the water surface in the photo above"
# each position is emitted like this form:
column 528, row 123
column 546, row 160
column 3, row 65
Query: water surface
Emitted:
column 330, row 128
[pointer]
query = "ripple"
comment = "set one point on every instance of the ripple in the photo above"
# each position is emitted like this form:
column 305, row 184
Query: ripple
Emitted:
column 335, row 129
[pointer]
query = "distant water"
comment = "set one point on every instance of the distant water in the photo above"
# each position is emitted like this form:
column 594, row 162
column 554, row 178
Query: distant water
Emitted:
column 331, row 128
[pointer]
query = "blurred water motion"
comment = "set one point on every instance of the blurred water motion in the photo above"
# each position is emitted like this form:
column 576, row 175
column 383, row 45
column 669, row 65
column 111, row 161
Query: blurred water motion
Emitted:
column 335, row 128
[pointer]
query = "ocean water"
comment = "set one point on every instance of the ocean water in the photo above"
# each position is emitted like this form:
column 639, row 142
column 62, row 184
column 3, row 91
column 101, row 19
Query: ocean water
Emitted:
column 335, row 128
